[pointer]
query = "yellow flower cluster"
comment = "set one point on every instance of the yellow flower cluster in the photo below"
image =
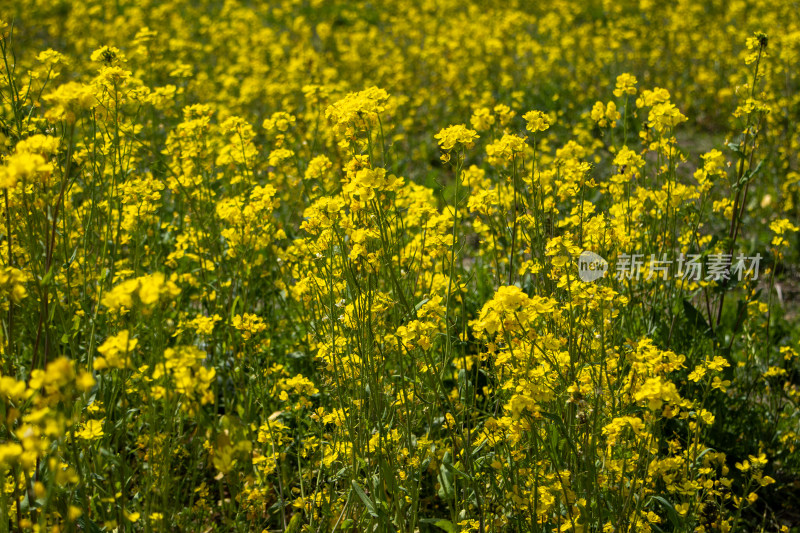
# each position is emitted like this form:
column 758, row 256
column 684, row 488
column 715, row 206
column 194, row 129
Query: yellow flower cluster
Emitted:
column 312, row 266
column 147, row 290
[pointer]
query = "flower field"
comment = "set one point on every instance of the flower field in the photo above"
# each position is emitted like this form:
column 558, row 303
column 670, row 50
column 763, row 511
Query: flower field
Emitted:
column 418, row 267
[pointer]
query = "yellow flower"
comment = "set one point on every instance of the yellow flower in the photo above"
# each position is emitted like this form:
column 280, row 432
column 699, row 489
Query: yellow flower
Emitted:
column 9, row 454
column 85, row 381
column 154, row 287
column 505, row 149
column 656, row 392
column 68, row 99
column 605, row 115
column 108, row 55
column 504, row 113
column 30, row 162
column 562, row 250
column 536, row 121
column 13, row 390
column 482, row 119
column 115, row 351
column 280, row 121
column 697, row 374
column 357, row 111
column 665, row 116
column 759, row 461
column 626, row 84
column 249, row 324
column 92, row 430
column 11, row 283
column 150, row 289
column 452, row 136
column 780, row 227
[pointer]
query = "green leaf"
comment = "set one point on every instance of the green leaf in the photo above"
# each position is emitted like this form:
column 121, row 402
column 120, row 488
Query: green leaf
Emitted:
column 741, row 313
column 672, row 514
column 462, row 384
column 364, row 498
column 747, row 176
column 45, row 281
column 445, row 525
column 419, row 305
column 295, row 523
column 233, row 308
column 702, row 454
column 736, row 147
column 441, row 523
column 446, row 490
column 479, row 448
column 696, row 319
column 456, row 471
column 562, row 429
column 87, row 525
